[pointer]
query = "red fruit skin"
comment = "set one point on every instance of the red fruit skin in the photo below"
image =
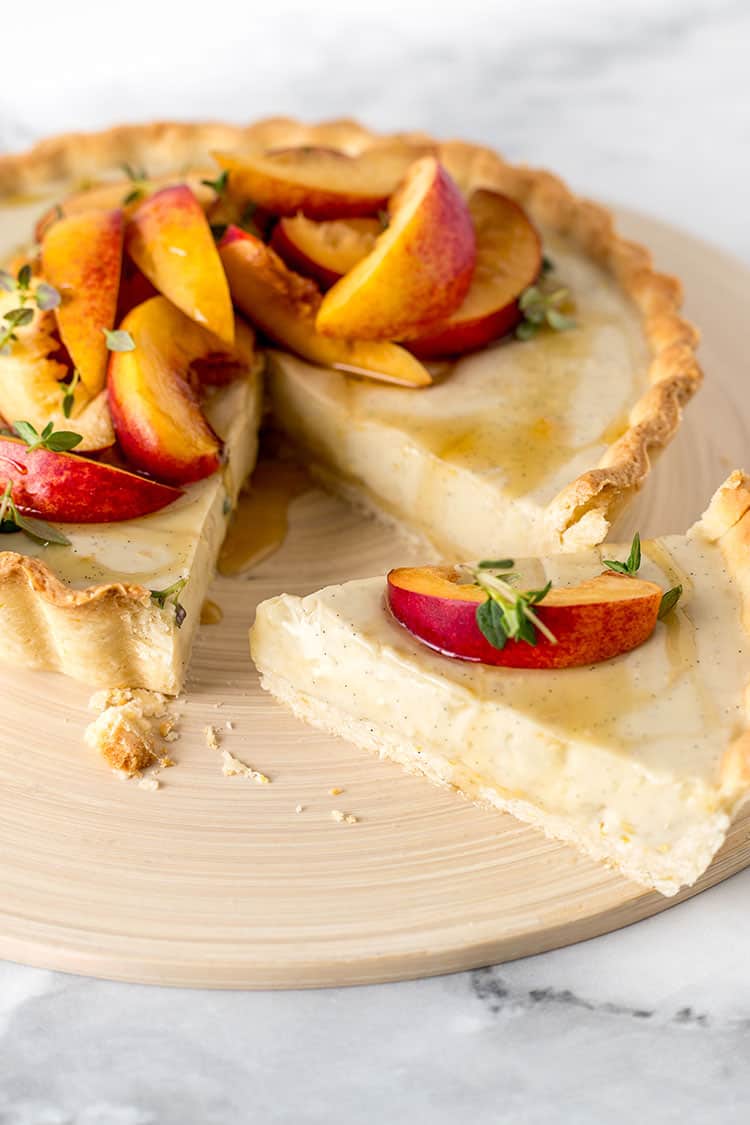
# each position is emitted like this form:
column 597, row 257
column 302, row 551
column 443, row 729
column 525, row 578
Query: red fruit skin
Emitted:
column 142, row 445
column 468, row 336
column 586, row 634
column 70, row 489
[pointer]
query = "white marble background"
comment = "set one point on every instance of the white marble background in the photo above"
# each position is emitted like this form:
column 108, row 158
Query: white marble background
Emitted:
column 644, row 102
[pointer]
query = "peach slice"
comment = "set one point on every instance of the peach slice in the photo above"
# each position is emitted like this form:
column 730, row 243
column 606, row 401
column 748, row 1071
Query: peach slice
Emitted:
column 71, row 489
column 419, row 269
column 594, row 621
column 169, row 239
column 509, row 257
column 321, row 183
column 324, row 251
column 156, row 413
column 31, row 389
column 123, row 194
column 82, row 259
column 283, row 305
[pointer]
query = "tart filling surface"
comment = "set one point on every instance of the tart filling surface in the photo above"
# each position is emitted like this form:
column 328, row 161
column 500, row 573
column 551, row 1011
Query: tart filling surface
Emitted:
column 640, row 761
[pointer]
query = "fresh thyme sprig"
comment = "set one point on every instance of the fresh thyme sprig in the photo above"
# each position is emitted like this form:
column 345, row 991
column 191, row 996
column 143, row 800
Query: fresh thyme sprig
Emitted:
column 219, row 185
column 12, row 520
column 670, row 600
column 631, row 567
column 139, row 179
column 69, row 393
column 172, row 594
column 44, row 296
column 506, row 614
column 540, row 308
column 60, row 441
column 119, row 340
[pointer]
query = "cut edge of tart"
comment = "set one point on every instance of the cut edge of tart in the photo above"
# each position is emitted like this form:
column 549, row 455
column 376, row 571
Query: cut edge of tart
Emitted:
column 581, row 512
column 640, row 761
column 121, row 616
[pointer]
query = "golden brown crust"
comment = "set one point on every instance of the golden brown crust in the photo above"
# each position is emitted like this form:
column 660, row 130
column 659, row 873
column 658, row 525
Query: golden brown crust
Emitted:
column 38, row 576
column 726, row 522
column 674, row 373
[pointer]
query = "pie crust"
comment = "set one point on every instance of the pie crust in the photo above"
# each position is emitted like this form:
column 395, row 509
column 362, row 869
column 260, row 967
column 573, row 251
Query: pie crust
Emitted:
column 66, row 161
column 563, row 751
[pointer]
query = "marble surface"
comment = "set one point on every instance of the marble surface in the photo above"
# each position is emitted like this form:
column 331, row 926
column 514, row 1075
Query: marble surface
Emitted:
column 643, row 103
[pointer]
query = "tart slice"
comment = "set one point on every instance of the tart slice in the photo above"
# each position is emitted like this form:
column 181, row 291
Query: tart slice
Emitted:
column 640, row 759
column 129, row 428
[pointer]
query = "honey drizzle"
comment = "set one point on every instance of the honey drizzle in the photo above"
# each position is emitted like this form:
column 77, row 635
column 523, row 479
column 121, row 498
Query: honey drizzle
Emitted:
column 211, row 613
column 260, row 521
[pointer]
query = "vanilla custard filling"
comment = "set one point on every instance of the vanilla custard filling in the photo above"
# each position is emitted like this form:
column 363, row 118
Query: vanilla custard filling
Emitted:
column 473, row 460
column 566, row 744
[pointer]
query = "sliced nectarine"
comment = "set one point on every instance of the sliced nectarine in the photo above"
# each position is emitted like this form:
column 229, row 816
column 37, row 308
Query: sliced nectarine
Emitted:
column 324, row 251
column 283, row 305
column 593, row 621
column 156, row 413
column 82, row 259
column 71, row 489
column 169, row 239
column 121, row 194
column 419, row 269
column 509, row 257
column 31, row 389
column 322, row 183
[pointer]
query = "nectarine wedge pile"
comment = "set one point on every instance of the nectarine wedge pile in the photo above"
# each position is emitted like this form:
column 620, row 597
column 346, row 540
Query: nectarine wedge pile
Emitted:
column 284, row 306
column 127, row 313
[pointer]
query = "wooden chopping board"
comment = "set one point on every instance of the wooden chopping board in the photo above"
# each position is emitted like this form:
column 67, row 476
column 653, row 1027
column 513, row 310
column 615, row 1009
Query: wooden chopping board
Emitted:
column 215, row 881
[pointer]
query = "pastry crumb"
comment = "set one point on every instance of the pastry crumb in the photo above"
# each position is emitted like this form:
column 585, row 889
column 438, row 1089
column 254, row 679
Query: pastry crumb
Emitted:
column 335, row 791
column 149, row 783
column 299, row 808
column 342, row 817
column 127, row 729
column 233, row 767
column 229, row 724
column 212, row 737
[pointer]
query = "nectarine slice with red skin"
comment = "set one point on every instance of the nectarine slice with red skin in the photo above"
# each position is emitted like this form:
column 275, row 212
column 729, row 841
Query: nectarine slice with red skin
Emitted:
column 70, row 489
column 509, row 258
column 593, row 621
column 156, row 413
column 125, row 195
column 319, row 182
column 169, row 239
column 82, row 259
column 324, row 250
column 419, row 270
column 283, row 305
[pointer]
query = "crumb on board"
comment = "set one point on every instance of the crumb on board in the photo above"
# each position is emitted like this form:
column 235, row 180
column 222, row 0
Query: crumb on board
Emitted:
column 299, row 808
column 148, row 783
column 342, row 817
column 212, row 737
column 229, row 724
column 335, row 791
column 128, row 728
column 233, row 767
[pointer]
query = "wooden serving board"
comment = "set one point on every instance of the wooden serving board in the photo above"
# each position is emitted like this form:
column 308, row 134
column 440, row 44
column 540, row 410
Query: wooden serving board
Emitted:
column 216, row 881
